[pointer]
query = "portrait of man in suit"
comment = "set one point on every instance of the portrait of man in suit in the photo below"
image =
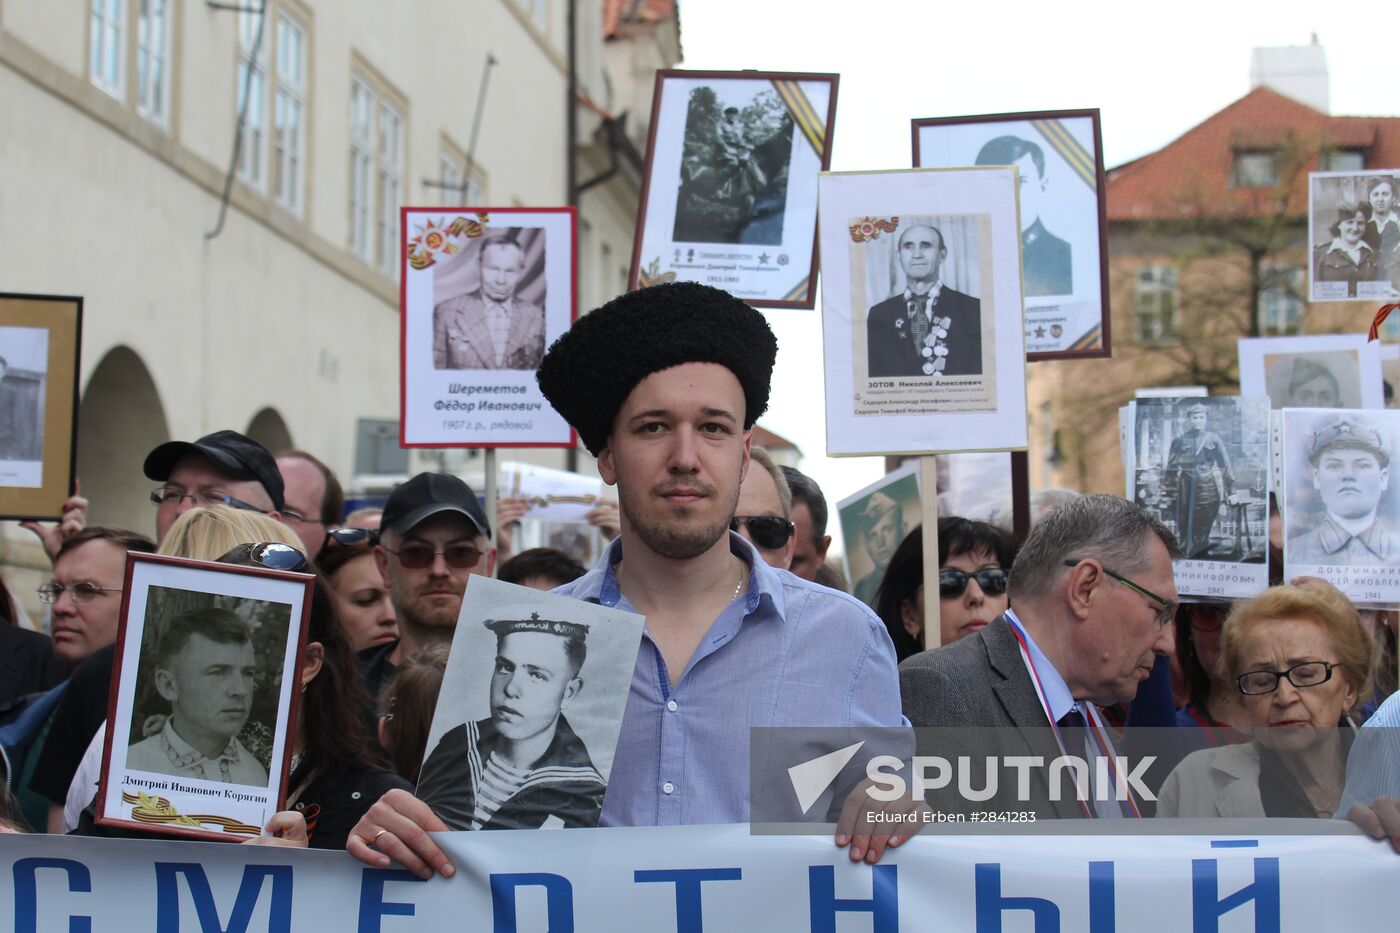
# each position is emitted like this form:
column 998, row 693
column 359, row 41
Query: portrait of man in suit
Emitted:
column 927, row 329
column 1046, row 262
column 490, row 327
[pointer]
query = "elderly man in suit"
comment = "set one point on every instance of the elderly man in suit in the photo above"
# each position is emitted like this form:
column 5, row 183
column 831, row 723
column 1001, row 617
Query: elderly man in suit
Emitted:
column 1093, row 599
column 928, row 329
column 489, row 327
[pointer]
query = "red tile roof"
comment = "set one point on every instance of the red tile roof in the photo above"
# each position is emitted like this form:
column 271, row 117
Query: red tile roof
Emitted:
column 1191, row 176
column 617, row 12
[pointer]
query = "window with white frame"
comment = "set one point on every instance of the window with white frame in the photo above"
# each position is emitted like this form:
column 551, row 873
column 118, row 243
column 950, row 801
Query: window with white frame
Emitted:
column 289, row 115
column 389, row 189
column 107, row 46
column 1155, row 304
column 153, row 24
column 1281, row 304
column 361, row 166
column 252, row 96
column 452, row 173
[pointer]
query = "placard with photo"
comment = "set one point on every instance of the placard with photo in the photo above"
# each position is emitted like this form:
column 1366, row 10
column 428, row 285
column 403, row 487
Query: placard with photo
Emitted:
column 1063, row 215
column 40, row 339
column 873, row 523
column 484, row 292
column 921, row 311
column 1201, row 466
column 1314, row 371
column 1354, row 231
column 1342, row 518
column 531, row 706
column 729, row 193
column 204, row 697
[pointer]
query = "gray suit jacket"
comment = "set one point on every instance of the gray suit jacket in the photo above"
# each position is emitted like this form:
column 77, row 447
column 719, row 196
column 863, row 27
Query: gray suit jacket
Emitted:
column 980, row 682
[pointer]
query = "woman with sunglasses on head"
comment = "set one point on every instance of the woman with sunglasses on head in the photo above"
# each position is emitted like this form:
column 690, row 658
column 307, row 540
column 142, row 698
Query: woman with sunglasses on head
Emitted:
column 1300, row 659
column 973, row 558
column 365, row 610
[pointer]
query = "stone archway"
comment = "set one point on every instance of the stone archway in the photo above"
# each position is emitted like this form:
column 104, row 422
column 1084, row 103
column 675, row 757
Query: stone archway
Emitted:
column 268, row 429
column 120, row 420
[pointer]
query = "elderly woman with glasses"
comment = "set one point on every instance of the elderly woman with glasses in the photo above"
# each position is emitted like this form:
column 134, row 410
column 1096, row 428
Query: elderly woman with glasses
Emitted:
column 1301, row 659
column 973, row 558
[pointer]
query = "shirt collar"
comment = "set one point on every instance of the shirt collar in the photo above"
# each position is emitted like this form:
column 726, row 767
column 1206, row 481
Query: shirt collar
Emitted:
column 1393, row 218
column 599, row 585
column 932, row 292
column 184, row 755
column 1057, row 694
column 1334, row 537
column 1338, row 246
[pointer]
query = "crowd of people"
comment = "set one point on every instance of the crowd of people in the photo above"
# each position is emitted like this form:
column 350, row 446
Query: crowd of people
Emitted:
column 1077, row 631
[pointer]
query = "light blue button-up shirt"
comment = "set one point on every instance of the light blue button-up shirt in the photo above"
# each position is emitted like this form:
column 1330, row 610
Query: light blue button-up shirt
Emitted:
column 791, row 653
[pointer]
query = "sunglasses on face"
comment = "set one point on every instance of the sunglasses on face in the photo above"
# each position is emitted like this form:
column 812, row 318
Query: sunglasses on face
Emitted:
column 272, row 555
column 351, row 536
column 953, row 583
column 420, row 556
column 769, row 532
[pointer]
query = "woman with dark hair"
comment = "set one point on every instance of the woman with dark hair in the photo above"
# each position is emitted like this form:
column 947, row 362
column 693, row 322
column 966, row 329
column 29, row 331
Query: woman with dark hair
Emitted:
column 1348, row 257
column 1200, row 466
column 362, row 600
column 409, row 701
column 1212, row 702
column 973, row 559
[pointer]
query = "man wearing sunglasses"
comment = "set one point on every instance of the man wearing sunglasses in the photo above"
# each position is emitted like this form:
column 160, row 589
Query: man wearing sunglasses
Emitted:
column 433, row 535
column 762, row 515
column 664, row 385
column 1092, row 602
column 223, row 468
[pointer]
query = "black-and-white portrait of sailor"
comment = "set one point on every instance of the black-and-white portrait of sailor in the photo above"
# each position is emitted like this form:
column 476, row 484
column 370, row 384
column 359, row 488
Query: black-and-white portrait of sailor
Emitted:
column 1047, row 264
column 524, row 766
column 926, row 328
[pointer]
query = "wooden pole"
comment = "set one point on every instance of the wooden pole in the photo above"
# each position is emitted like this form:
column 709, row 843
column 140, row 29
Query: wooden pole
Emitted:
column 491, row 493
column 928, row 508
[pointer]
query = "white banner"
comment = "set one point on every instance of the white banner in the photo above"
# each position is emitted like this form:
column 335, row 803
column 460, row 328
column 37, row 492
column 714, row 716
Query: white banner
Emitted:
column 690, row 879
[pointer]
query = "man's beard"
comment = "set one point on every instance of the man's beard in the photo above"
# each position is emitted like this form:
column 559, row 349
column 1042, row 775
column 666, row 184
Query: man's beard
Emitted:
column 677, row 540
column 427, row 621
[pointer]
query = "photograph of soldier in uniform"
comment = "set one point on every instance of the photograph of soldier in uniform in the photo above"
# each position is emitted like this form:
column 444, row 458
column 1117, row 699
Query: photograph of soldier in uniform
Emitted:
column 23, row 369
column 1046, row 263
column 873, row 523
column 734, row 167
column 1200, row 465
column 206, row 696
column 1313, row 371
column 926, row 327
column 1339, row 511
column 493, row 315
column 530, row 709
column 1351, row 224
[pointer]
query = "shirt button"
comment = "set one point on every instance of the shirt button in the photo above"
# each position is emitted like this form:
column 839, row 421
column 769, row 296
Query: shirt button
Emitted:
column 668, row 788
column 672, row 705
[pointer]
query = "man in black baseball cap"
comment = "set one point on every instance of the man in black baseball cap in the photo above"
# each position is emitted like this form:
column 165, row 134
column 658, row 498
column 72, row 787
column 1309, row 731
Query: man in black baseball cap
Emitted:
column 433, row 535
column 223, row 468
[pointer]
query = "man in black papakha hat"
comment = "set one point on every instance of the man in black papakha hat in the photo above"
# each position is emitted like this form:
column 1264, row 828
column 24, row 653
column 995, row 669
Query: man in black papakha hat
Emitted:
column 527, row 767
column 664, row 385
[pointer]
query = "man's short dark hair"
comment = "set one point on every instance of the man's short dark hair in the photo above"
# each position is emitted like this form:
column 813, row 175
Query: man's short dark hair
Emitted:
column 221, row 626
column 575, row 651
column 1008, row 150
column 333, row 501
column 805, row 490
column 547, row 562
column 122, row 538
column 495, row 241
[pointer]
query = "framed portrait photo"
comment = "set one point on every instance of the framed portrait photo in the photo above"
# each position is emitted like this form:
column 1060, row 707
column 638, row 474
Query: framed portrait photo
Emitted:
column 1354, row 233
column 527, row 721
column 873, row 523
column 204, row 697
column 921, row 312
column 1063, row 215
column 1201, row 466
column 1341, row 520
column 484, row 292
column 729, row 189
column 40, row 340
column 1314, row 371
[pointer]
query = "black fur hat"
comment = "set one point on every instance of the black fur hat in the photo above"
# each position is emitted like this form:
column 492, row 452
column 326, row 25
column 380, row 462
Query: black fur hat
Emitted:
column 590, row 370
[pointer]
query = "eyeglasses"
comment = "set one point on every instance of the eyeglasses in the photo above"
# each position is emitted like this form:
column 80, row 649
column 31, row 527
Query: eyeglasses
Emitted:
column 1207, row 620
column 1164, row 615
column 769, row 532
column 173, row 495
column 953, row 583
column 78, row 592
column 272, row 555
column 420, row 556
column 1307, row 674
column 349, row 536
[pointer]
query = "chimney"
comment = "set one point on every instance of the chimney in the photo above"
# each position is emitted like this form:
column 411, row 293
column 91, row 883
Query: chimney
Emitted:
column 1298, row 71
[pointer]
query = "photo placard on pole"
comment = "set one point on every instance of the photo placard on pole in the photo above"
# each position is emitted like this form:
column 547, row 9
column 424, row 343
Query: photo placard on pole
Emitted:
column 1313, row 371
